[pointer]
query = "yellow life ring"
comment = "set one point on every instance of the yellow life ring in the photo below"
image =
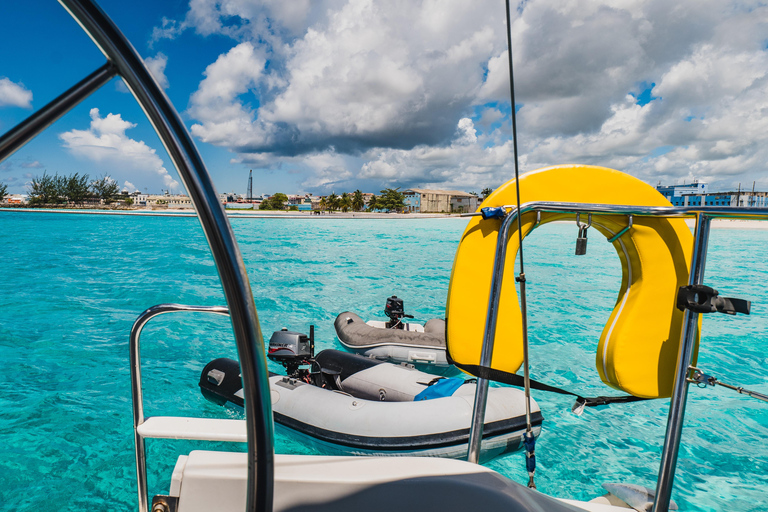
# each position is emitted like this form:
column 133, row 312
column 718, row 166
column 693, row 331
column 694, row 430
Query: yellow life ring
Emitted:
column 637, row 351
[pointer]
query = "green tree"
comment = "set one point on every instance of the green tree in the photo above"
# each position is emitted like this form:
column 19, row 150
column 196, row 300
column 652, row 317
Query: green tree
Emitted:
column 391, row 199
column 37, row 189
column 322, row 204
column 358, row 203
column 128, row 201
column 61, row 188
column 76, row 188
column 333, row 201
column 105, row 188
column 345, row 202
column 3, row 191
column 373, row 203
column 486, row 192
column 276, row 202
column 46, row 189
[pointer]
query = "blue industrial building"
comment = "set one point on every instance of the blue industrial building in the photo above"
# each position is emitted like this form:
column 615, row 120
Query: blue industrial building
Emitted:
column 695, row 194
column 679, row 195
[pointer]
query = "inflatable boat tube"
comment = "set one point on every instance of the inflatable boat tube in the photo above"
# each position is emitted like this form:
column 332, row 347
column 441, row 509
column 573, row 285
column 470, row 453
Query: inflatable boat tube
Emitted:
column 637, row 351
column 412, row 344
column 374, row 412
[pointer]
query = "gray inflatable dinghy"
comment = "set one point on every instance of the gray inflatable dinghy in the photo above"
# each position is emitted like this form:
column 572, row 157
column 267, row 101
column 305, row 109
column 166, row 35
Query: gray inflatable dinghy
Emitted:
column 394, row 341
column 353, row 405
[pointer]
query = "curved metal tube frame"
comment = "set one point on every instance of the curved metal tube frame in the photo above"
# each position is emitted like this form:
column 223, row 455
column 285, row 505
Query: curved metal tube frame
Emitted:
column 481, row 391
column 703, row 217
column 136, row 392
column 124, row 60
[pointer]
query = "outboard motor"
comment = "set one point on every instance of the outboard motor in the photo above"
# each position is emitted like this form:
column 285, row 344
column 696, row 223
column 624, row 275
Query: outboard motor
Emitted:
column 292, row 350
column 396, row 312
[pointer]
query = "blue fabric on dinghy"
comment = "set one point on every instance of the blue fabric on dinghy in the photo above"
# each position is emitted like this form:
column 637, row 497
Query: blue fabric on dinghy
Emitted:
column 440, row 389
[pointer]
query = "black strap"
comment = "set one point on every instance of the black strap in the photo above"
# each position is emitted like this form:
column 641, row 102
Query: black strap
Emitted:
column 514, row 379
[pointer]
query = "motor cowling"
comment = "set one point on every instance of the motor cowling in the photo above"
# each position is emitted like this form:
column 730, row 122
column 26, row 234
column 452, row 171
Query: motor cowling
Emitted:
column 293, row 350
column 288, row 346
column 394, row 308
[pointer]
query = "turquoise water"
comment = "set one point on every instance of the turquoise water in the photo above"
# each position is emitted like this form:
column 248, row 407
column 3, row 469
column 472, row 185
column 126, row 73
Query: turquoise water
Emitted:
column 74, row 284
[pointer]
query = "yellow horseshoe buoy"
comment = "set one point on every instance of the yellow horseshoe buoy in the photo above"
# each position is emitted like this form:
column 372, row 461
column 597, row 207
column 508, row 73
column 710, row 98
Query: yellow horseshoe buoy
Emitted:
column 637, row 351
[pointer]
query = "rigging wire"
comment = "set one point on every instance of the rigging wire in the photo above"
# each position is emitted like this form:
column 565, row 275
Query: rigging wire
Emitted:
column 529, row 439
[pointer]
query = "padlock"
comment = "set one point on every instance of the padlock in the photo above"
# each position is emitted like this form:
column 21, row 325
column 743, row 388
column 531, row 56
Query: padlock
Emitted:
column 581, row 241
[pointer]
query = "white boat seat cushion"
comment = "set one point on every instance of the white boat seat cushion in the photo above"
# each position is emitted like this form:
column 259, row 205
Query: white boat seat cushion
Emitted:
column 209, row 481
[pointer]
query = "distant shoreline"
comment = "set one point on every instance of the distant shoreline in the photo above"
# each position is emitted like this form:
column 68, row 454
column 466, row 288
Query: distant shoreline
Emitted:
column 271, row 214
column 239, row 214
column 732, row 224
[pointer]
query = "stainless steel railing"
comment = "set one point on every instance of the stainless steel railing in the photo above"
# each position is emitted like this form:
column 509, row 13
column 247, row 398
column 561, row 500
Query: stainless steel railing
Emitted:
column 136, row 389
column 703, row 216
column 122, row 59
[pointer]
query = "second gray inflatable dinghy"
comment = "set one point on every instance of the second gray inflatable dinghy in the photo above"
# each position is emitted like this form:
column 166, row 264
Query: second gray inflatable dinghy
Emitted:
column 394, row 341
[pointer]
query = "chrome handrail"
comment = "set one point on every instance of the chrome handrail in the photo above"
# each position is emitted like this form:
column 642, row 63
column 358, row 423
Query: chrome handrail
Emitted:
column 703, row 216
column 713, row 212
column 481, row 391
column 123, row 59
column 136, row 392
column 684, row 358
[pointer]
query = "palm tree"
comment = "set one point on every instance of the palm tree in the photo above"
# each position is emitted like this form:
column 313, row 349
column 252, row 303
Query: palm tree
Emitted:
column 333, row 201
column 345, row 202
column 322, row 204
column 357, row 200
column 373, row 203
column 391, row 199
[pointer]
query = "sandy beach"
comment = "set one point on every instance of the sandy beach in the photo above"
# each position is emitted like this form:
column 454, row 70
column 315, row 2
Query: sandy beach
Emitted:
column 240, row 214
column 732, row 224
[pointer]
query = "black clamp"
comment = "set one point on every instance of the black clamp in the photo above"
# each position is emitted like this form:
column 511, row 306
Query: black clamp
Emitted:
column 703, row 299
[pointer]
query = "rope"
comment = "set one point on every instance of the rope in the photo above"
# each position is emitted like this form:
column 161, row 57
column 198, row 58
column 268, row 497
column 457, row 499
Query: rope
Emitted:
column 530, row 458
column 703, row 380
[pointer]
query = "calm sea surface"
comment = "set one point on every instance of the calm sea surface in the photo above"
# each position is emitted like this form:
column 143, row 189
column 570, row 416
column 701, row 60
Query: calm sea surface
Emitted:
column 72, row 285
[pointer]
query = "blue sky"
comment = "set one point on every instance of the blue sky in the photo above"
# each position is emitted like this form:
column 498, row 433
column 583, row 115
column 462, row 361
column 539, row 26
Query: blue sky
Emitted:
column 332, row 95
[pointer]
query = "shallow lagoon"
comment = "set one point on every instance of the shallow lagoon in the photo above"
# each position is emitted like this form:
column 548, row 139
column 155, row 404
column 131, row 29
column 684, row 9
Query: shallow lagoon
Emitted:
column 74, row 284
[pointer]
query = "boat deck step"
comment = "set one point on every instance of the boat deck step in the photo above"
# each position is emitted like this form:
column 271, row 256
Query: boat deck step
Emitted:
column 200, row 429
column 207, row 480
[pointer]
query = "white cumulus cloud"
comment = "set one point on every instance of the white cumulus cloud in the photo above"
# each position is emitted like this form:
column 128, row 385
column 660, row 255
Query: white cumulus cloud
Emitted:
column 226, row 120
column 156, row 66
column 106, row 142
column 364, row 75
column 418, row 91
column 14, row 95
column 468, row 162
